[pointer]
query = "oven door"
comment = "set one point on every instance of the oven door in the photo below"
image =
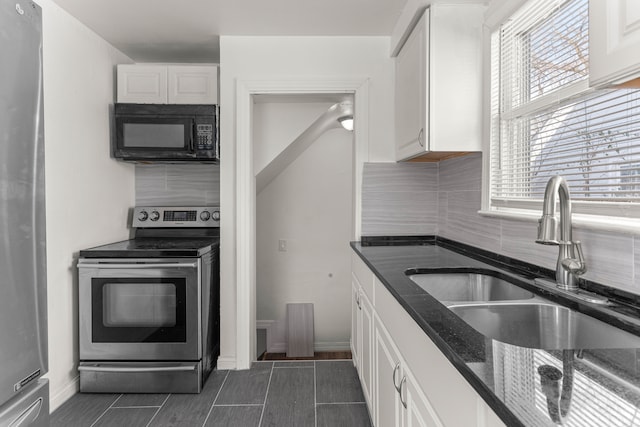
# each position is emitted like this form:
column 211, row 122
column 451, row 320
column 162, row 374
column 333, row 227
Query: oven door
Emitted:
column 139, row 309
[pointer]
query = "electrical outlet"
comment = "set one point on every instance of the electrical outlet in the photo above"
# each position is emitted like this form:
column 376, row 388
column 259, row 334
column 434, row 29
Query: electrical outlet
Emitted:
column 282, row 245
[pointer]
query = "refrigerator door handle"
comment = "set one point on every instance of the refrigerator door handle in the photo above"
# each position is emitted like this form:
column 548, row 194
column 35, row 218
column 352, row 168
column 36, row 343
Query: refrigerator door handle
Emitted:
column 137, row 368
column 29, row 415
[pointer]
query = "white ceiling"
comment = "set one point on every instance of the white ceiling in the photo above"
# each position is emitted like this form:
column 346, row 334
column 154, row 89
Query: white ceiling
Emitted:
column 189, row 30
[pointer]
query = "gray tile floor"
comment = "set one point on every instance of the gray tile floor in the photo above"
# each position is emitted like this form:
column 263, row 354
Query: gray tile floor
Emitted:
column 270, row 394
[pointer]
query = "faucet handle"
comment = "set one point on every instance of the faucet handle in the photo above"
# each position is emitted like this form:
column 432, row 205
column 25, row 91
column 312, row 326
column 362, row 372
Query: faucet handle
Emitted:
column 575, row 266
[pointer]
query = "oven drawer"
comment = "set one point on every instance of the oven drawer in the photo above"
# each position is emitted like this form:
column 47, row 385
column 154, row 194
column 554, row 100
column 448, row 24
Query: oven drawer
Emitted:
column 140, row 377
column 140, row 309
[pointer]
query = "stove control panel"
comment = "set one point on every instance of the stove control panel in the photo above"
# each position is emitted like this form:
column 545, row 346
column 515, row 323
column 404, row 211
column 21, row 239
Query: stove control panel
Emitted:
column 175, row 216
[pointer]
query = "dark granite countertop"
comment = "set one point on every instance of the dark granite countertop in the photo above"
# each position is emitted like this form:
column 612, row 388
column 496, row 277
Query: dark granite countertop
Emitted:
column 606, row 382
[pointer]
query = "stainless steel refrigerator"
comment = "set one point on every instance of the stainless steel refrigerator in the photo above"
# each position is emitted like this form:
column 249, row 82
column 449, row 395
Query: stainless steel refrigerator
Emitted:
column 24, row 396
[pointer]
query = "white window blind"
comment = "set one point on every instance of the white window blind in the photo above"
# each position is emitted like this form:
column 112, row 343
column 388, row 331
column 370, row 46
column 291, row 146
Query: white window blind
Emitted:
column 546, row 121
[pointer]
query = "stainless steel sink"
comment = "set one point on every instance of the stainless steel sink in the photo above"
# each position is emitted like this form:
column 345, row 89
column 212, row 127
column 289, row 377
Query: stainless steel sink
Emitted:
column 472, row 287
column 543, row 326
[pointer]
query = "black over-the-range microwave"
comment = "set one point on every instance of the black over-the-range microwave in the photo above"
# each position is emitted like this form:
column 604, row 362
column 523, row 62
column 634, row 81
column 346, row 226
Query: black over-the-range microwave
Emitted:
column 166, row 133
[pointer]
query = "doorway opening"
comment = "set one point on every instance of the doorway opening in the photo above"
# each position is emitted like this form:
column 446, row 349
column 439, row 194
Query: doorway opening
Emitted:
column 246, row 195
column 303, row 163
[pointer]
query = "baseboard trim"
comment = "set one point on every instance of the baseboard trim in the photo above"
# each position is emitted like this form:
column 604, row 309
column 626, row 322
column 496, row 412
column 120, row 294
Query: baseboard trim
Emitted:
column 226, row 362
column 264, row 324
column 65, row 393
column 332, row 346
column 281, row 347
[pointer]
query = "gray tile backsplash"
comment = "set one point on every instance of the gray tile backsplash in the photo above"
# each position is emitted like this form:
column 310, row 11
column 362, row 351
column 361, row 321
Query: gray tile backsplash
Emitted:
column 178, row 184
column 447, row 204
column 461, row 173
column 400, row 177
column 517, row 241
column 399, row 199
column 636, row 260
column 609, row 258
column 465, row 225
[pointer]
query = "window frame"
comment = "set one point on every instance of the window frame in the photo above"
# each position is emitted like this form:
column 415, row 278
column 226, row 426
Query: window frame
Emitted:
column 598, row 215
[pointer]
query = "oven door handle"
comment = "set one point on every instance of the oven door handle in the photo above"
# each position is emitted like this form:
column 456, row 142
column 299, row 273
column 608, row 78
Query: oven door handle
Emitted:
column 138, row 266
column 137, row 368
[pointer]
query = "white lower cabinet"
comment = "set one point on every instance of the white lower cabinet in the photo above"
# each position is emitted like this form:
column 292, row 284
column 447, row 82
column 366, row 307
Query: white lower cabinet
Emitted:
column 398, row 398
column 355, row 336
column 366, row 350
column 418, row 411
column 362, row 338
column 387, row 374
column 406, row 379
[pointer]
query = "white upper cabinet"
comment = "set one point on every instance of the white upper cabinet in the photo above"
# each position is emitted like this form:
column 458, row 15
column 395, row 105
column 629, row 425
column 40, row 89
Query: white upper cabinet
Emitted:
column 614, row 41
column 167, row 84
column 192, row 84
column 142, row 84
column 438, row 84
column 412, row 87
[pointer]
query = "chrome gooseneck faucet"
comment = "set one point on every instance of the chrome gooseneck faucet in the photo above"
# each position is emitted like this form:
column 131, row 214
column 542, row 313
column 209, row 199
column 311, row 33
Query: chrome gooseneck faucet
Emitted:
column 571, row 261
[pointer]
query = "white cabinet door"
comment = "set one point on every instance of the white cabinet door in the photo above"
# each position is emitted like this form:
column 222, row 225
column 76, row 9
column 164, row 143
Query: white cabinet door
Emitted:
column 192, row 84
column 167, row 84
column 614, row 41
column 412, row 92
column 355, row 336
column 142, row 84
column 438, row 84
column 362, row 338
column 387, row 378
column 366, row 350
column 418, row 411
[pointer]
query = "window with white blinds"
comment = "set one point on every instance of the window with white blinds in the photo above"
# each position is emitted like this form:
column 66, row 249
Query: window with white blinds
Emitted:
column 546, row 121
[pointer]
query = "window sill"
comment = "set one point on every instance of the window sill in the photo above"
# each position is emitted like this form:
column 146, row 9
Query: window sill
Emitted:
column 582, row 221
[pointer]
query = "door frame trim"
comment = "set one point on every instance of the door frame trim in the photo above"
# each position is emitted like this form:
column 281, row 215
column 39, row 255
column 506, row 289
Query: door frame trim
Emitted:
column 246, row 183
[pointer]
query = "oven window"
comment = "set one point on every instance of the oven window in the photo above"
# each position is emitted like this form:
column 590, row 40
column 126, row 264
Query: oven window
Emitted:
column 138, row 309
column 154, row 135
column 139, row 304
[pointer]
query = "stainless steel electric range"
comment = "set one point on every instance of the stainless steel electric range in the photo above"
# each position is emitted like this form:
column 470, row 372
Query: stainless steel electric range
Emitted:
column 149, row 311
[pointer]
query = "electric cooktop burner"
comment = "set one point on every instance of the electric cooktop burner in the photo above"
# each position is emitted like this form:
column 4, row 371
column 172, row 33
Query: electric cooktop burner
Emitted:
column 162, row 232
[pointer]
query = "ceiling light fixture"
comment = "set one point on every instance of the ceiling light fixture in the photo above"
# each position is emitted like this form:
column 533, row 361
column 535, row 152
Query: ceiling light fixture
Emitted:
column 346, row 122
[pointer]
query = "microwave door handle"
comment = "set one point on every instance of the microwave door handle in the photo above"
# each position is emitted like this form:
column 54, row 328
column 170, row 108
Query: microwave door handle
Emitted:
column 193, row 131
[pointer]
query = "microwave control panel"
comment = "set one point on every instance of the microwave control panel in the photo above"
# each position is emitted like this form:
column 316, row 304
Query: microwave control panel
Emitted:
column 204, row 136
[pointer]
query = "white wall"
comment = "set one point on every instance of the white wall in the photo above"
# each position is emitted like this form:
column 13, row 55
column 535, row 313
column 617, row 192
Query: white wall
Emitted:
column 88, row 194
column 267, row 58
column 309, row 206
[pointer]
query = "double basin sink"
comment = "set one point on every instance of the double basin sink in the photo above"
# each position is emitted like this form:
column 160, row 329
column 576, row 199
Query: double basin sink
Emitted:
column 505, row 312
